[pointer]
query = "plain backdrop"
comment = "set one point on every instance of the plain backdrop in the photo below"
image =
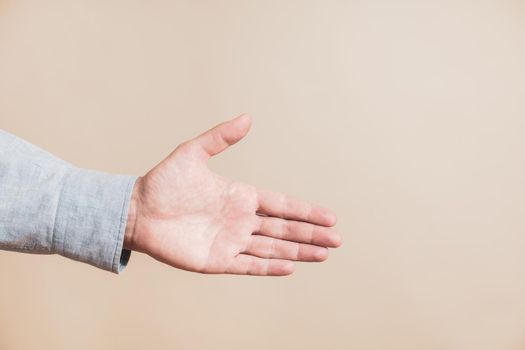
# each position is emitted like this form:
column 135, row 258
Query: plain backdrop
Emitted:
column 407, row 118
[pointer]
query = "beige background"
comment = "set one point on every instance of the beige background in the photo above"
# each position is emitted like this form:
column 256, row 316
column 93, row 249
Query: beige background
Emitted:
column 405, row 117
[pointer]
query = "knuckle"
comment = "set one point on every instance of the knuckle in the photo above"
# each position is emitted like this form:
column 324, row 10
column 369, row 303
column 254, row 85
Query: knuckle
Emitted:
column 272, row 248
column 297, row 252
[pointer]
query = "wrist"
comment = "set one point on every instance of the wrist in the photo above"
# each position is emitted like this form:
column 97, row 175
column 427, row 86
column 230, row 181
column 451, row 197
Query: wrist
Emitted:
column 129, row 235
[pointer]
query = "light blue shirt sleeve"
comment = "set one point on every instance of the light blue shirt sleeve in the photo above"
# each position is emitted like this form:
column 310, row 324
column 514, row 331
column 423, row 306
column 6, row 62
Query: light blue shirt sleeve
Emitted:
column 49, row 206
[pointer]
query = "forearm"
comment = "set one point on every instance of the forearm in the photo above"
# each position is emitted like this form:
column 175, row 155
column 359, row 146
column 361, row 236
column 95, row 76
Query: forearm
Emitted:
column 49, row 206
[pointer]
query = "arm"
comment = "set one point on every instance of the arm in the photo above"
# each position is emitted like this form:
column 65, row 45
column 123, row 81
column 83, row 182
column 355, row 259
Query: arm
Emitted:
column 180, row 213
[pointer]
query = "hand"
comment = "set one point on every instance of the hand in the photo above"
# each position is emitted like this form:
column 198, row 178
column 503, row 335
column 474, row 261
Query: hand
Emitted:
column 184, row 215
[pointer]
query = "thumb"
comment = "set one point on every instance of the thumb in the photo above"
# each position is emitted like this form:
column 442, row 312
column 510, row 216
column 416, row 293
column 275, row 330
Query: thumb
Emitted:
column 223, row 135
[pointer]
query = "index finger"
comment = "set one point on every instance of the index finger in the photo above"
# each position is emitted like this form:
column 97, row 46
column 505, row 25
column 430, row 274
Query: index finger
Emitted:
column 284, row 206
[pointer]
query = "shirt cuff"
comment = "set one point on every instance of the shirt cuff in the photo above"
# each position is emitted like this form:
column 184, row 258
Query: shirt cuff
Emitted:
column 91, row 218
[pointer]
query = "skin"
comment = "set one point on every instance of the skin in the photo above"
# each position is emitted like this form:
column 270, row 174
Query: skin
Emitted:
column 188, row 217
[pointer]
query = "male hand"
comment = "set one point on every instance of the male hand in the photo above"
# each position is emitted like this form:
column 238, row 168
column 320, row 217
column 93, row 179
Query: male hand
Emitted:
column 184, row 215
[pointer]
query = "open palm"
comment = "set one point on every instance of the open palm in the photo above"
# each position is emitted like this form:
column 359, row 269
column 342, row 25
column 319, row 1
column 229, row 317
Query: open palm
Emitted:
column 186, row 216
